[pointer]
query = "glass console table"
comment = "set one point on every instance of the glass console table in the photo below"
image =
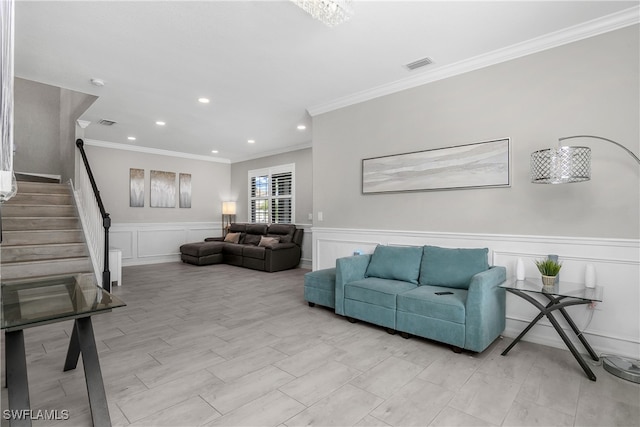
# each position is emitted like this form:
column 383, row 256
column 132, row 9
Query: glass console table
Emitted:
column 35, row 302
column 561, row 295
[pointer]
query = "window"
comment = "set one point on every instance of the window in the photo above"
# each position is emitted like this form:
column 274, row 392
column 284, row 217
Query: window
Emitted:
column 271, row 194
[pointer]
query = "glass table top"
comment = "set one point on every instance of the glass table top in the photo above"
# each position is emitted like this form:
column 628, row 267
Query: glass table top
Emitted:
column 37, row 301
column 561, row 289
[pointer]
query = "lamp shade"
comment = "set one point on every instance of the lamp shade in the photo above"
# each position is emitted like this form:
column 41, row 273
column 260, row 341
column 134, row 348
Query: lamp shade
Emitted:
column 561, row 165
column 228, row 208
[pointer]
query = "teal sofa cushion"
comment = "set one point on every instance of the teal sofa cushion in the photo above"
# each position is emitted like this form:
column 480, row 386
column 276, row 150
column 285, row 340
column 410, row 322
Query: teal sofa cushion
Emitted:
column 424, row 301
column 380, row 292
column 395, row 263
column 452, row 268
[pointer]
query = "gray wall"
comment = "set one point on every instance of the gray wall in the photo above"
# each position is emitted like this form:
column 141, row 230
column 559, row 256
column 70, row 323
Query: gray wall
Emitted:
column 587, row 87
column 303, row 184
column 209, row 185
column 44, row 127
column 36, row 127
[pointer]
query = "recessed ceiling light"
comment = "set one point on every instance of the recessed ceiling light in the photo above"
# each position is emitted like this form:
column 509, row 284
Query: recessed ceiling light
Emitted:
column 203, row 100
column 97, row 82
column 251, row 141
column 214, row 151
column 160, row 123
column 131, row 138
column 301, row 127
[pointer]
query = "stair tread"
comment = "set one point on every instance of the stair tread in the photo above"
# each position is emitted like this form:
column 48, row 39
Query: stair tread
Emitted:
column 44, row 261
column 40, row 245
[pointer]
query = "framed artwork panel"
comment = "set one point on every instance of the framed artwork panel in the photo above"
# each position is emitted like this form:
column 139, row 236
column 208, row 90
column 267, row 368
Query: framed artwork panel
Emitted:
column 163, row 189
column 479, row 165
column 136, row 188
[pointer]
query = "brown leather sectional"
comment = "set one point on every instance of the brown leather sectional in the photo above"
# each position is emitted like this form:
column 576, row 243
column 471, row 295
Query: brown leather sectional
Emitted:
column 265, row 247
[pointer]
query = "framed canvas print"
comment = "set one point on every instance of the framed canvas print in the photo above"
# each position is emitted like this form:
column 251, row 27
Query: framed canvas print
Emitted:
column 136, row 188
column 163, row 189
column 184, row 184
column 479, row 165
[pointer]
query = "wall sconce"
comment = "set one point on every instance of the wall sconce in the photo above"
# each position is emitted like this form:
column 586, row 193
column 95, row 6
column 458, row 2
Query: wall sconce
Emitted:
column 228, row 216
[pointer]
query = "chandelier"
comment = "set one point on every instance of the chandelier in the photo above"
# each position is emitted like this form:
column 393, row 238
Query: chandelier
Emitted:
column 329, row 12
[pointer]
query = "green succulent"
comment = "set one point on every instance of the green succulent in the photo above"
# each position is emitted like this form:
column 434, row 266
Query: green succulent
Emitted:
column 548, row 267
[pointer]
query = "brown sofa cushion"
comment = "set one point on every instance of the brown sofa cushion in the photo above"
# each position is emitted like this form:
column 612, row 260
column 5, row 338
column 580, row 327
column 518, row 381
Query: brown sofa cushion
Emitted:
column 268, row 241
column 232, row 249
column 232, row 238
column 252, row 239
column 237, row 228
column 284, row 231
column 200, row 249
column 256, row 252
column 257, row 229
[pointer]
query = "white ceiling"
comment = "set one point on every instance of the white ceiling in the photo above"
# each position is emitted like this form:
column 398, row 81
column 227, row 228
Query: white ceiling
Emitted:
column 265, row 64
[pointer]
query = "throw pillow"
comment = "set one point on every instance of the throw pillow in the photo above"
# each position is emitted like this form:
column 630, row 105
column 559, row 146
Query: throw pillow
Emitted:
column 268, row 241
column 396, row 263
column 232, row 238
column 252, row 239
column 452, row 268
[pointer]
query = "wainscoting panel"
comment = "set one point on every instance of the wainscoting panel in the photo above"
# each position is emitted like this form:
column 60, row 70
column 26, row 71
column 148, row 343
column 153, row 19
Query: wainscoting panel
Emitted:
column 612, row 326
column 150, row 243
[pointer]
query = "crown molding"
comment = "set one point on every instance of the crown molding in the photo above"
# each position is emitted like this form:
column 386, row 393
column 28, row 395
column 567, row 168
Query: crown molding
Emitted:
column 568, row 35
column 273, row 152
column 148, row 150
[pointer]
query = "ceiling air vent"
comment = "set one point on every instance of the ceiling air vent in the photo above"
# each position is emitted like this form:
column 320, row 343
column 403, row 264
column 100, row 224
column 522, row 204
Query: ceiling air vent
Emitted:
column 106, row 122
column 419, row 63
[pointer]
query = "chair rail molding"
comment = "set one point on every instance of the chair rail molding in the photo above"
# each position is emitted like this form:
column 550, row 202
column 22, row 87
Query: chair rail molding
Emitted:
column 613, row 326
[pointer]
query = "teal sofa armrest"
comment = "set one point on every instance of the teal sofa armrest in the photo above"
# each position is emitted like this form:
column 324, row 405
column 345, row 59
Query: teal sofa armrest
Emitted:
column 485, row 309
column 348, row 270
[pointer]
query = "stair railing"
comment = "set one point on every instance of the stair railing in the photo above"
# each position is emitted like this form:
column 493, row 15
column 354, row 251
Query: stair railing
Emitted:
column 97, row 220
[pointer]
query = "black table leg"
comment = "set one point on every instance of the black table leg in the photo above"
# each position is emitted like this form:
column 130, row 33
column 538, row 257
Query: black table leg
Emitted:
column 571, row 347
column 17, row 384
column 83, row 342
column 523, row 333
column 73, row 352
column 582, row 339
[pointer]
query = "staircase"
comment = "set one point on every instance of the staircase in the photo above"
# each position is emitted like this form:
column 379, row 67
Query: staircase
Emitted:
column 42, row 233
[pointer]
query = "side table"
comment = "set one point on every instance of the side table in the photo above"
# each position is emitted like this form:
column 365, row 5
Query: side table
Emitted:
column 34, row 302
column 560, row 296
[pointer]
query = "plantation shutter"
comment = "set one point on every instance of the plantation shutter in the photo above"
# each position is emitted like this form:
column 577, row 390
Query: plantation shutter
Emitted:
column 281, row 192
column 271, row 194
column 260, row 198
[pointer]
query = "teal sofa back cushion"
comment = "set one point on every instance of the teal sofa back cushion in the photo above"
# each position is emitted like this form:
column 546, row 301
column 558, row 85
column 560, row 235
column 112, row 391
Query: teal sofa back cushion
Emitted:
column 396, row 263
column 452, row 268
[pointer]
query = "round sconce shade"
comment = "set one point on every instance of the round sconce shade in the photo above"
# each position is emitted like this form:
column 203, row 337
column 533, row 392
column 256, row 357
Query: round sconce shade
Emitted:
column 561, row 165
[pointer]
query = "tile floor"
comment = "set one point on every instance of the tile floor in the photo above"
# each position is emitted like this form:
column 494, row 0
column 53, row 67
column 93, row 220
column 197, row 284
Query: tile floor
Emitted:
column 226, row 346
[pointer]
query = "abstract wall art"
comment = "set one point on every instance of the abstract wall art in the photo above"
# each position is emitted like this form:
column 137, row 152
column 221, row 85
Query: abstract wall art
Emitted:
column 163, row 189
column 136, row 188
column 184, row 180
column 478, row 165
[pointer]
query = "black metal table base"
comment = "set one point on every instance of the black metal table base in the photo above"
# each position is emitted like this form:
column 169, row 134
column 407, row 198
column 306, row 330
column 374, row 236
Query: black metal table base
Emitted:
column 557, row 303
column 82, row 342
column 16, row 365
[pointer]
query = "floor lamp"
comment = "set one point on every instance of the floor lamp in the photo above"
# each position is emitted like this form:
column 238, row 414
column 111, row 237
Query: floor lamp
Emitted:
column 228, row 216
column 564, row 165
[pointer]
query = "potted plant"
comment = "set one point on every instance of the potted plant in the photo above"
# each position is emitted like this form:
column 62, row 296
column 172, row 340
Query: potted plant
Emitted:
column 549, row 270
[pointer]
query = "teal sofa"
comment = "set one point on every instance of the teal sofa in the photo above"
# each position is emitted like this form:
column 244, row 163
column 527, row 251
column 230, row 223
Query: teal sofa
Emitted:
column 400, row 288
